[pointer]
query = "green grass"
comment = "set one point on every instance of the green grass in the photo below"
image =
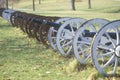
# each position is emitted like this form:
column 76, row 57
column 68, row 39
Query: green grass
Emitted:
column 23, row 58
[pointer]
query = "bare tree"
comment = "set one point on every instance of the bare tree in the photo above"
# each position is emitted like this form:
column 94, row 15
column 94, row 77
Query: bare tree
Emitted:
column 73, row 4
column 89, row 4
column 6, row 4
column 33, row 5
column 2, row 3
column 39, row 1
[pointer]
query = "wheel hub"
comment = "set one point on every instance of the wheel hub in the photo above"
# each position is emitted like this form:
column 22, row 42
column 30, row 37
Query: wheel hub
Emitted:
column 117, row 52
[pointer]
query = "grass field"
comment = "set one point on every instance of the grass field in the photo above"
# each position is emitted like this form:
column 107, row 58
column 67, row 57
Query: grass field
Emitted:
column 23, row 58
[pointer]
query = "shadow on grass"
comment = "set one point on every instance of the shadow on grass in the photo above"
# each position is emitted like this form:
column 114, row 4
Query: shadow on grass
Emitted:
column 20, row 44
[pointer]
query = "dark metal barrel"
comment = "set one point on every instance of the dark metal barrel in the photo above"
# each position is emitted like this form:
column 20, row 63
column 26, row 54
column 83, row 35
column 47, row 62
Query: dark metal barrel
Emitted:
column 92, row 34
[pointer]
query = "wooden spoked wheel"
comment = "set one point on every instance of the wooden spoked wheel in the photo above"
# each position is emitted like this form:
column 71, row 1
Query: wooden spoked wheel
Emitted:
column 65, row 35
column 82, row 42
column 53, row 32
column 105, row 49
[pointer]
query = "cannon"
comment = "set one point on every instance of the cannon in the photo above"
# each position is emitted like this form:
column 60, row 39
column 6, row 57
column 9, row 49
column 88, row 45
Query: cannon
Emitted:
column 103, row 46
column 97, row 39
column 34, row 25
column 66, row 46
column 43, row 30
column 30, row 25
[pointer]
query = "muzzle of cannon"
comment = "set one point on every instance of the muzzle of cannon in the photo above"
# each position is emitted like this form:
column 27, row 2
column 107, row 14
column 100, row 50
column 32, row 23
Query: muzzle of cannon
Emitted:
column 6, row 14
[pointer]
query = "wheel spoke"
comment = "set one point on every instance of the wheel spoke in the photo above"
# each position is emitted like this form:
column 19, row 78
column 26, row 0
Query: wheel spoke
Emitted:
column 55, row 30
column 105, row 54
column 71, row 26
column 105, row 48
column 86, row 52
column 113, row 43
column 64, row 42
column 61, row 40
column 88, row 56
column 111, row 60
column 116, row 64
column 92, row 26
column 118, row 36
column 53, row 37
column 78, row 25
column 83, row 51
column 69, row 49
column 84, row 42
column 67, row 43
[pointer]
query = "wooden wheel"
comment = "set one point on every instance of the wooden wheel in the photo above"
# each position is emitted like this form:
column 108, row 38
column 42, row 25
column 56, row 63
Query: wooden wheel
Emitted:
column 65, row 35
column 82, row 43
column 53, row 32
column 105, row 49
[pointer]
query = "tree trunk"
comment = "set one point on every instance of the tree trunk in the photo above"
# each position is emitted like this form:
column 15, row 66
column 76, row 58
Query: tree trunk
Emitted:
column 33, row 5
column 73, row 4
column 6, row 4
column 2, row 4
column 89, row 4
column 39, row 1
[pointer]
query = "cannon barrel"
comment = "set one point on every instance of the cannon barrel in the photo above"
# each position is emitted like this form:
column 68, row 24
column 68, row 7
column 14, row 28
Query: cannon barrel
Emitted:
column 53, row 24
column 42, row 21
column 86, row 33
column 46, row 22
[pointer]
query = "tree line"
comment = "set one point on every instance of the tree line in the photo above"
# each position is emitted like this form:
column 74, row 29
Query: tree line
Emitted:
column 4, row 3
column 72, row 4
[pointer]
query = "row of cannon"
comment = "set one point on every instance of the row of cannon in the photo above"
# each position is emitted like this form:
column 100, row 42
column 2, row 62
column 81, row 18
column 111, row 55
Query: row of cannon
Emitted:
column 97, row 39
